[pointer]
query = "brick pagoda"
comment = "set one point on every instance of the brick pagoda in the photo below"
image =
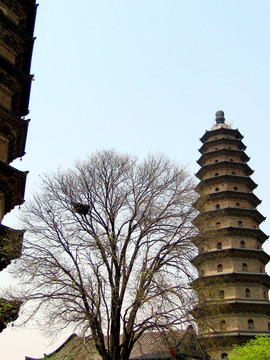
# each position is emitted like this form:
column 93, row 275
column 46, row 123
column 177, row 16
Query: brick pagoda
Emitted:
column 17, row 19
column 232, row 286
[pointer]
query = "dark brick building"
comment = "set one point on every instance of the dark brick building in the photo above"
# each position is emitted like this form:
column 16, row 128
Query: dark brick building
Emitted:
column 17, row 19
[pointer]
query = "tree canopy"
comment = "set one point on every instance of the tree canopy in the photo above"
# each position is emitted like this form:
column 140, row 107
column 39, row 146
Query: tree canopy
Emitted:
column 255, row 349
column 107, row 249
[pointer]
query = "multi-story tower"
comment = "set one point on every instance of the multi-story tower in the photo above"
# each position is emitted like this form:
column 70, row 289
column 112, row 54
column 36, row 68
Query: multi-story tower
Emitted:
column 232, row 286
column 17, row 18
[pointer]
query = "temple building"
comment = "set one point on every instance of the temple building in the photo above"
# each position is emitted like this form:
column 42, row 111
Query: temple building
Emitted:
column 232, row 286
column 17, row 19
column 152, row 345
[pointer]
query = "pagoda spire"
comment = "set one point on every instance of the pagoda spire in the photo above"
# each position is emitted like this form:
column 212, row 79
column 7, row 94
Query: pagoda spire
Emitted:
column 220, row 119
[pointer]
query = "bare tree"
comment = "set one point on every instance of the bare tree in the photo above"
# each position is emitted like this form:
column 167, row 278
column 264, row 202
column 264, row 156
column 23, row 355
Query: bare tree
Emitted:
column 107, row 249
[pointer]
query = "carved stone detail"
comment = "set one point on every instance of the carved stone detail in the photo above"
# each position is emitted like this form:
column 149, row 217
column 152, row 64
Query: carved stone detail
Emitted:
column 14, row 7
column 11, row 41
column 5, row 129
column 8, row 82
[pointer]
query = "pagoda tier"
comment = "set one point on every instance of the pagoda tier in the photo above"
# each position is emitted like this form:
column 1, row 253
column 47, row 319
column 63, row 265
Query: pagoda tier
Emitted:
column 223, row 154
column 226, row 182
column 222, row 168
column 13, row 132
column 229, row 196
column 17, row 45
column 17, row 19
column 232, row 286
column 227, row 142
column 231, row 253
column 229, row 214
column 221, row 132
column 22, row 13
column 15, row 87
column 12, row 184
column 232, row 232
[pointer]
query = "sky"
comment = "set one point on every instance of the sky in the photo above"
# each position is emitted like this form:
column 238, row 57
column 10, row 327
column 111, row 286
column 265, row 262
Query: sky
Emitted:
column 142, row 76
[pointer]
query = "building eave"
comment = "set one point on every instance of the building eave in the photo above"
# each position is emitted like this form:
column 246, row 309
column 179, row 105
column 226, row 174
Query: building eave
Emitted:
column 231, row 253
column 232, row 277
column 227, row 194
column 240, row 144
column 232, row 152
column 257, row 233
column 226, row 178
column 234, row 132
column 223, row 165
column 230, row 212
column 12, row 184
column 15, row 129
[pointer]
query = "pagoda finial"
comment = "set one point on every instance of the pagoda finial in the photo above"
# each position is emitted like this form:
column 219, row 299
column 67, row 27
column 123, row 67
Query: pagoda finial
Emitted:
column 220, row 119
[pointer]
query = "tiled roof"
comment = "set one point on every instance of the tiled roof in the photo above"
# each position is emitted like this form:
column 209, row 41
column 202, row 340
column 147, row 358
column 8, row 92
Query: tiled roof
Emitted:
column 155, row 343
column 151, row 345
column 74, row 348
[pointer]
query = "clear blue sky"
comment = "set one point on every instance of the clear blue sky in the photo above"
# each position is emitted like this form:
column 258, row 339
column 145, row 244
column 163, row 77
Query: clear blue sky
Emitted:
column 143, row 76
